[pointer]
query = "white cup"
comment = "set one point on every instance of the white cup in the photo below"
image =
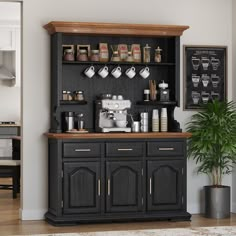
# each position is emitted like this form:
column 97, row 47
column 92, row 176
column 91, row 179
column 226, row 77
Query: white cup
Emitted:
column 121, row 123
column 103, row 72
column 116, row 72
column 144, row 122
column 89, row 72
column 155, row 114
column 144, row 115
column 144, row 72
column 130, row 72
column 163, row 112
column 144, row 128
column 136, row 126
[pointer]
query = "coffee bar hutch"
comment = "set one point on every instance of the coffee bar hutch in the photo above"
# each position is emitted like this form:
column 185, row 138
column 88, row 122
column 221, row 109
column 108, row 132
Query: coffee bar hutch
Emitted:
column 115, row 176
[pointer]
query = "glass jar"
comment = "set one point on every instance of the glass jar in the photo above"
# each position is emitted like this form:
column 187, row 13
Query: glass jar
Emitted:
column 146, row 54
column 94, row 55
column 64, row 95
column 68, row 55
column 146, row 95
column 158, row 55
column 82, row 55
column 69, row 96
column 79, row 95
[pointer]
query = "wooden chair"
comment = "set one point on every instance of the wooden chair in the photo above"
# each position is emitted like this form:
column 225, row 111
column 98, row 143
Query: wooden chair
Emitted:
column 11, row 169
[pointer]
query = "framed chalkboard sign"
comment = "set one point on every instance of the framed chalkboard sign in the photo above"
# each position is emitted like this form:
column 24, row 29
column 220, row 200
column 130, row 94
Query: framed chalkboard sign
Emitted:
column 205, row 77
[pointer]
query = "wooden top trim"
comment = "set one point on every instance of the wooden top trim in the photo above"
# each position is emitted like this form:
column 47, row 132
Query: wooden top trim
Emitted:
column 119, row 135
column 10, row 125
column 94, row 28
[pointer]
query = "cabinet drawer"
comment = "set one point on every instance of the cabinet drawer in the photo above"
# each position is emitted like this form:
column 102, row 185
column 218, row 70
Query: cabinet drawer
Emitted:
column 124, row 149
column 82, row 149
column 175, row 148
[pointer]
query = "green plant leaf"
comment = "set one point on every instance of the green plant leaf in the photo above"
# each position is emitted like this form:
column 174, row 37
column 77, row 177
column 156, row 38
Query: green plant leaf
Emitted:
column 213, row 141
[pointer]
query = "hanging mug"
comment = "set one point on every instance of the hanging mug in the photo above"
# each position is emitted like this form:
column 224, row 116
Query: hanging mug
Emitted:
column 144, row 72
column 130, row 72
column 89, row 72
column 103, row 72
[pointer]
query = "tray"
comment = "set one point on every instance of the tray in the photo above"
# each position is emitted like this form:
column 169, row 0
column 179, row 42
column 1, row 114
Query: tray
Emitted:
column 77, row 131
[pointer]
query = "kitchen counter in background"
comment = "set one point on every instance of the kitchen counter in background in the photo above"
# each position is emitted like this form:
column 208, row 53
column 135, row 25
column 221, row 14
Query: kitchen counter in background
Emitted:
column 119, row 135
column 9, row 130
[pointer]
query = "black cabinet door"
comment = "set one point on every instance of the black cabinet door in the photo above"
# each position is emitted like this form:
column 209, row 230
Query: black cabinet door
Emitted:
column 123, row 186
column 165, row 185
column 81, row 187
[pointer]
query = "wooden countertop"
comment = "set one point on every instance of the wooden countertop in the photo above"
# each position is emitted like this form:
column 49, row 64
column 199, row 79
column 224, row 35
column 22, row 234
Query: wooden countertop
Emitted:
column 16, row 137
column 119, row 135
column 9, row 125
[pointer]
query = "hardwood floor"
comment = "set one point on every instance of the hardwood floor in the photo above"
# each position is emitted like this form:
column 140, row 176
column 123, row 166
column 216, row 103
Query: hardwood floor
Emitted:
column 10, row 224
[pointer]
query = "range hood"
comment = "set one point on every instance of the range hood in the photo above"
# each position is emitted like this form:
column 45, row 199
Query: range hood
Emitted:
column 5, row 74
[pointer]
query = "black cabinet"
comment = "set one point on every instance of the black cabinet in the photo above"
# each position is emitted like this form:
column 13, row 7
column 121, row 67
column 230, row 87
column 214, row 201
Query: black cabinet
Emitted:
column 165, row 181
column 69, row 75
column 109, row 186
column 95, row 179
column 124, row 186
column 81, row 187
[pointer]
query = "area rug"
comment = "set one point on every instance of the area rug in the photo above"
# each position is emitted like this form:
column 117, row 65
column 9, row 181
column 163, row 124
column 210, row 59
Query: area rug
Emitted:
column 194, row 231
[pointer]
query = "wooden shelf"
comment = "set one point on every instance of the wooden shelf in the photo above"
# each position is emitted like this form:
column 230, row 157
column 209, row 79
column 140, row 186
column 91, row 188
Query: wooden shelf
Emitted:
column 156, row 103
column 149, row 135
column 117, row 63
column 63, row 102
column 119, row 29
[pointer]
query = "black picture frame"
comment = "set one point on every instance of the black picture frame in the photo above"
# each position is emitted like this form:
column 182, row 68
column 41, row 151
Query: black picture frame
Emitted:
column 205, row 75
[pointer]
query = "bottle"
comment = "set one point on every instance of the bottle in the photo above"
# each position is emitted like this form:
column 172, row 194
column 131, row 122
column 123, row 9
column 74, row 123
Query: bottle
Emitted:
column 146, row 95
column 164, row 120
column 146, row 54
column 155, row 120
column 158, row 55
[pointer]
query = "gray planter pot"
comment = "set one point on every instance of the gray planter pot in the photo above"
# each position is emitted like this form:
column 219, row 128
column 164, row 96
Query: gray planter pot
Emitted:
column 217, row 202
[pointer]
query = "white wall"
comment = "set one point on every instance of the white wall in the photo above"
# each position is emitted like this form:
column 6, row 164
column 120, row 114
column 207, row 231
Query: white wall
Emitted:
column 210, row 24
column 234, row 89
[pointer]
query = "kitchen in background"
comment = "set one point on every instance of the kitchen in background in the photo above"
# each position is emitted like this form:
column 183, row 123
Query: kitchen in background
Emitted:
column 10, row 91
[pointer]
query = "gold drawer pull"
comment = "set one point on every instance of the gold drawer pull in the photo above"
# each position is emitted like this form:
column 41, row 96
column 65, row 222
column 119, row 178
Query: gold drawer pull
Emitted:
column 125, row 149
column 166, row 149
column 108, row 187
column 99, row 187
column 150, row 186
column 83, row 150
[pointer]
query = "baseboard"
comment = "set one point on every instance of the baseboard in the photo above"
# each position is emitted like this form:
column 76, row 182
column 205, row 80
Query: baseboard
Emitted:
column 32, row 214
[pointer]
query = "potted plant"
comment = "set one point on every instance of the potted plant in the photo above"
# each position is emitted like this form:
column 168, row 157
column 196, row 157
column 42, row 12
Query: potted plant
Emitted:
column 213, row 147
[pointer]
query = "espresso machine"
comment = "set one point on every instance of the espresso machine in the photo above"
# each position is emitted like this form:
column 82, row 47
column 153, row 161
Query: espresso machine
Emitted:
column 111, row 115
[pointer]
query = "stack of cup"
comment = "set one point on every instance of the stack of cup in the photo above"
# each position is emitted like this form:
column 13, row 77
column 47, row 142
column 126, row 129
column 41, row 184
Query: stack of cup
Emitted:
column 164, row 120
column 144, row 121
column 155, row 120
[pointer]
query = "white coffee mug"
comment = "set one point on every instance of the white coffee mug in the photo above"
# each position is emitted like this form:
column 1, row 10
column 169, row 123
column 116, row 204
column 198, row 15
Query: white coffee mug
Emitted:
column 89, row 72
column 121, row 123
column 103, row 72
column 144, row 115
column 116, row 72
column 144, row 72
column 130, row 72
